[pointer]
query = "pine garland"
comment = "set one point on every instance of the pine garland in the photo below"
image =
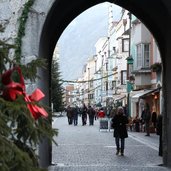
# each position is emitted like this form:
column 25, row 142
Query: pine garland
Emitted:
column 21, row 30
column 97, row 79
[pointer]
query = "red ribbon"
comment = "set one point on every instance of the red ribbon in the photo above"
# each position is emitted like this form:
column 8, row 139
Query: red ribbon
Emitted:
column 13, row 89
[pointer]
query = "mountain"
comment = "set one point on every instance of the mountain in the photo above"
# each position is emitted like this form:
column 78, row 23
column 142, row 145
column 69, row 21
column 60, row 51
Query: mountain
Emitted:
column 77, row 41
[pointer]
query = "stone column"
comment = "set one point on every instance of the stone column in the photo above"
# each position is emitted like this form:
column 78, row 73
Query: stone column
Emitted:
column 167, row 104
column 45, row 147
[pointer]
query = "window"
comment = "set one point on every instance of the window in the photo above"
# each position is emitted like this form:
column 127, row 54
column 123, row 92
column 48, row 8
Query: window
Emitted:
column 113, row 84
column 106, row 66
column 123, row 77
column 91, row 83
column 130, row 69
column 106, row 85
column 139, row 55
column 143, row 55
column 125, row 45
column 146, row 55
column 95, row 66
column 90, row 96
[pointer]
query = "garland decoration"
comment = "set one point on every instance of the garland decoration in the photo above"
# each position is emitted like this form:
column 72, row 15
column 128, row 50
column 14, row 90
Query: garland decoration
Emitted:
column 21, row 29
column 69, row 81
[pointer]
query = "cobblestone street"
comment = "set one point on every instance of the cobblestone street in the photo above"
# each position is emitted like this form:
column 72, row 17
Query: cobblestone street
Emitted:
column 85, row 148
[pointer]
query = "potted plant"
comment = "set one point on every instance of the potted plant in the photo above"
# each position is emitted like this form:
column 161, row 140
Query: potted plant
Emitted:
column 156, row 67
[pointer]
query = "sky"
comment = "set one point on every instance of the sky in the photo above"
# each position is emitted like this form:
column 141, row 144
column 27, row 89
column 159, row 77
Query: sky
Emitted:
column 77, row 42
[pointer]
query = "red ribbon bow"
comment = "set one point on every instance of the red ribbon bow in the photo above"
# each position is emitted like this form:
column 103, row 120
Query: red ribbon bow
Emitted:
column 13, row 89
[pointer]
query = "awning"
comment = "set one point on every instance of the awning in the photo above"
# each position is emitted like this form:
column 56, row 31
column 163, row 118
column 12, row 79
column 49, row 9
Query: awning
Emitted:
column 120, row 97
column 136, row 97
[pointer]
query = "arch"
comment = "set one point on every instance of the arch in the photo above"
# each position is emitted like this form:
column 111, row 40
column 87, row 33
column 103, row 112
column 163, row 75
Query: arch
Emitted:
column 155, row 14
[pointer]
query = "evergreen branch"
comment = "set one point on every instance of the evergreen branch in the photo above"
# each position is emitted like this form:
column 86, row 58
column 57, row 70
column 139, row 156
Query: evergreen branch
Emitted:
column 30, row 69
column 21, row 29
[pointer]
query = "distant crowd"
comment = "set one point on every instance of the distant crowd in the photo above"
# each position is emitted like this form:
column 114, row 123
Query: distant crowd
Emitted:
column 88, row 114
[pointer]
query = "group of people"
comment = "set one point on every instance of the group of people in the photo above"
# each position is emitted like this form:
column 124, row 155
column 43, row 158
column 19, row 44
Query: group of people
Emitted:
column 72, row 114
column 119, row 123
column 147, row 122
column 87, row 113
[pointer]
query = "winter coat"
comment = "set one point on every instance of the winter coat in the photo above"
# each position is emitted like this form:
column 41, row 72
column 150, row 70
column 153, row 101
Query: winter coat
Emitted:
column 146, row 115
column 159, row 125
column 119, row 124
column 91, row 112
column 69, row 112
column 101, row 114
column 84, row 111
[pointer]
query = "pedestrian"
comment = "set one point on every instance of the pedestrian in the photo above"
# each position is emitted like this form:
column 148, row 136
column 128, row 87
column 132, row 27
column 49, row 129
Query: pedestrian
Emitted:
column 101, row 113
column 119, row 124
column 69, row 114
column 154, row 119
column 84, row 114
column 146, row 115
column 75, row 115
column 91, row 114
column 136, row 122
column 130, row 123
column 159, row 132
column 96, row 114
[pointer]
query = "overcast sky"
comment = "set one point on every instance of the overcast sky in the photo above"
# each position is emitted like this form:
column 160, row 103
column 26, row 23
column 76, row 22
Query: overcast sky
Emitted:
column 77, row 41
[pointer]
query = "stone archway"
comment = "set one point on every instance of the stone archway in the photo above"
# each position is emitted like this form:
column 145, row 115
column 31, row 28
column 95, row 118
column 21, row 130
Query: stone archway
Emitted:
column 48, row 25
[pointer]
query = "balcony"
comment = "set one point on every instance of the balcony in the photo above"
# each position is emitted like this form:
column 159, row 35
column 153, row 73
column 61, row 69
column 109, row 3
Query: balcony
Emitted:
column 142, row 78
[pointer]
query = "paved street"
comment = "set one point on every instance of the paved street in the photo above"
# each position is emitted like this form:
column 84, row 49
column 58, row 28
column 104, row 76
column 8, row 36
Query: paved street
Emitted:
column 85, row 148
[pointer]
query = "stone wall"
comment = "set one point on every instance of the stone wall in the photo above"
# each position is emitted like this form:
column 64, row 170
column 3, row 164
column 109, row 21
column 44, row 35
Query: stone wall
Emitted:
column 10, row 12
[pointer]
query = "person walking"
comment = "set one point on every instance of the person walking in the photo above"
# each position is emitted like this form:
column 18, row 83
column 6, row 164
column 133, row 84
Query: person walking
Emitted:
column 75, row 115
column 146, row 115
column 119, row 124
column 101, row 113
column 154, row 119
column 136, row 122
column 91, row 114
column 84, row 114
column 69, row 114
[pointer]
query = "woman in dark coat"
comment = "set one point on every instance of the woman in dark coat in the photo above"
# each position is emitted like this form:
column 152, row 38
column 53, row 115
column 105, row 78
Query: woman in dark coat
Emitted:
column 119, row 123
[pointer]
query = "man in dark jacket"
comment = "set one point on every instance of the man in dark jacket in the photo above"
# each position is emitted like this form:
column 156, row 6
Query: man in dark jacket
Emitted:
column 119, row 123
column 91, row 114
column 75, row 115
column 84, row 114
column 147, row 117
column 69, row 114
